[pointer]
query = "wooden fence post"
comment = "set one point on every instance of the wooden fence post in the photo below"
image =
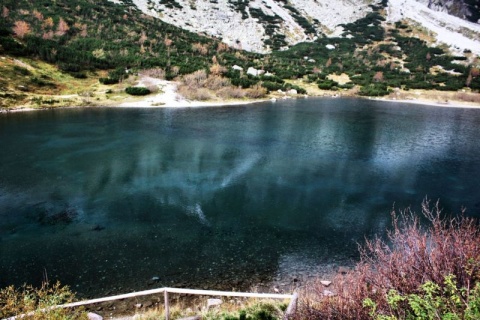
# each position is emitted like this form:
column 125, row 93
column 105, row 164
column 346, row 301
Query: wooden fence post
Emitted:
column 167, row 307
column 292, row 307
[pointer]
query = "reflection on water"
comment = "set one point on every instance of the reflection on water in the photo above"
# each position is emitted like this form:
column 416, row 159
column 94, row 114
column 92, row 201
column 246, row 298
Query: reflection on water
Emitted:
column 106, row 199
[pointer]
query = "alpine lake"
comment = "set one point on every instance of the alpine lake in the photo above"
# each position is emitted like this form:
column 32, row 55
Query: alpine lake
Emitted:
column 112, row 200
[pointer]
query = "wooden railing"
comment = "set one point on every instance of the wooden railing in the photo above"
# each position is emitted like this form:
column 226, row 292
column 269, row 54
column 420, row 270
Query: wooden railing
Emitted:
column 290, row 310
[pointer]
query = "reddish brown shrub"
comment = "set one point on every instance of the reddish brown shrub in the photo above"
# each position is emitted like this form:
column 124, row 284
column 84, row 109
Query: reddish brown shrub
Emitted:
column 231, row 93
column 412, row 255
column 215, row 82
column 62, row 28
column 21, row 29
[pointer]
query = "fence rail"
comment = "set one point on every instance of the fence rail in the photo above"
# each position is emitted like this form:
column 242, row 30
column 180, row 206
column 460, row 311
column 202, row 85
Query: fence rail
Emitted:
column 290, row 310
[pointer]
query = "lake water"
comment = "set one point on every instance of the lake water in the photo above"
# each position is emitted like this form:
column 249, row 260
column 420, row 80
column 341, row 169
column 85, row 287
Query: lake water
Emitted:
column 105, row 199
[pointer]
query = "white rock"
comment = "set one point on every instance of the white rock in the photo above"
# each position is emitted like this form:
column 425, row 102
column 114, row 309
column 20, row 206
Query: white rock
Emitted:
column 94, row 316
column 292, row 92
column 254, row 72
column 235, row 67
column 213, row 302
column 326, row 283
column 330, row 46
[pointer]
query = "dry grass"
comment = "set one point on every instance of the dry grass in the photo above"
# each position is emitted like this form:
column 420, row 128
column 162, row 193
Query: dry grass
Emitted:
column 200, row 86
column 468, row 97
column 256, row 92
column 156, row 73
column 229, row 309
column 412, row 256
column 197, row 94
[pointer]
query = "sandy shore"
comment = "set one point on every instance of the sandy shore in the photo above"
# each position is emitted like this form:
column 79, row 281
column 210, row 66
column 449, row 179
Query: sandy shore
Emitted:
column 449, row 104
column 169, row 97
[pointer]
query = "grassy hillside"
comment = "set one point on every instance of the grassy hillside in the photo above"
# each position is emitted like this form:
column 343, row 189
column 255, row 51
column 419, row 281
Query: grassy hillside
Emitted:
column 68, row 46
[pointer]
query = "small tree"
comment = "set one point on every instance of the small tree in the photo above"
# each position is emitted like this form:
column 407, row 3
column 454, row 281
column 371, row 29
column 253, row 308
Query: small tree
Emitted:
column 62, row 28
column 5, row 12
column 21, row 29
column 378, row 77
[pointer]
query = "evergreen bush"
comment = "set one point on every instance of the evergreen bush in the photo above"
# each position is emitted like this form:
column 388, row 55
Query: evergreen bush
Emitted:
column 137, row 91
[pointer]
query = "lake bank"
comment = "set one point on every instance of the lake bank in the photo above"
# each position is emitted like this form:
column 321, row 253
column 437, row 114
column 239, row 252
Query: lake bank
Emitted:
column 168, row 97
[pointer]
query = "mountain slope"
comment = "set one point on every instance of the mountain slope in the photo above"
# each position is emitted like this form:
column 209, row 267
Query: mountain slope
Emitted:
column 269, row 25
column 457, row 33
column 465, row 9
column 258, row 25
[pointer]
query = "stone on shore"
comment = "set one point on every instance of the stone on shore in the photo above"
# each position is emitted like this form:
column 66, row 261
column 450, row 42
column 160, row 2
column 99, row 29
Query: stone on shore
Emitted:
column 213, row 302
column 326, row 283
column 94, row 316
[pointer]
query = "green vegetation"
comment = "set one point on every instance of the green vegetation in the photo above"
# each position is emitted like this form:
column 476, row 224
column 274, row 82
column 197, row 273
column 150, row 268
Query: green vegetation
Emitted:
column 108, row 42
column 448, row 301
column 248, row 310
column 137, row 91
column 422, row 272
column 36, row 303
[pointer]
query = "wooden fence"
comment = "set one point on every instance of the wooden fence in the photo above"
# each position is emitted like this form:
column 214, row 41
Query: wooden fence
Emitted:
column 290, row 310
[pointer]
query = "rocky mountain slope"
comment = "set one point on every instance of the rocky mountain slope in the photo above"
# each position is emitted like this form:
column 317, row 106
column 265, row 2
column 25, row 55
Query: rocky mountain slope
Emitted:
column 465, row 9
column 460, row 35
column 269, row 25
column 257, row 25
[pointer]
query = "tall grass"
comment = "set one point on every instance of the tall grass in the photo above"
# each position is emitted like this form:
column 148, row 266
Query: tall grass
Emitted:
column 37, row 303
column 413, row 256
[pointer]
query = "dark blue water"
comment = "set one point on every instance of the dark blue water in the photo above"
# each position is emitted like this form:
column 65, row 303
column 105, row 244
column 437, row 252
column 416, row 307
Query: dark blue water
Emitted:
column 106, row 199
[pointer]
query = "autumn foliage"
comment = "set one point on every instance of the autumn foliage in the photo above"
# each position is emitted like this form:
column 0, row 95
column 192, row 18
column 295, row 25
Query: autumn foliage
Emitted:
column 414, row 255
column 21, row 29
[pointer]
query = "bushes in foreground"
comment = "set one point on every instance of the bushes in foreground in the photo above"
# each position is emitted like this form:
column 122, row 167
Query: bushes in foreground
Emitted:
column 36, row 303
column 421, row 272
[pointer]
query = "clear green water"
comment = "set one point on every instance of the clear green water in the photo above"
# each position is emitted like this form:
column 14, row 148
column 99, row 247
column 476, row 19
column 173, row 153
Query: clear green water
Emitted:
column 106, row 199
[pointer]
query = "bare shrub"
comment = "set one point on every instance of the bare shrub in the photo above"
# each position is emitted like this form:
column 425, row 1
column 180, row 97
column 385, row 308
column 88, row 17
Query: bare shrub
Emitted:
column 217, row 69
column 196, row 79
column 198, row 47
column 256, row 92
column 215, row 82
column 231, row 93
column 191, row 93
column 157, row 73
column 412, row 256
column 222, row 47
column 468, row 97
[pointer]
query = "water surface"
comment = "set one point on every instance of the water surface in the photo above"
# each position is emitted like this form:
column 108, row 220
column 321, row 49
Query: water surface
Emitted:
column 106, row 199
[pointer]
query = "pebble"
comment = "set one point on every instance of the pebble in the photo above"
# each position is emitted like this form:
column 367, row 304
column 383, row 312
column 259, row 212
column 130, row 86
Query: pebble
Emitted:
column 326, row 283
